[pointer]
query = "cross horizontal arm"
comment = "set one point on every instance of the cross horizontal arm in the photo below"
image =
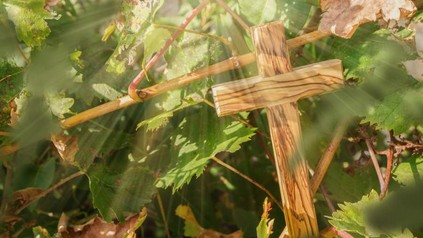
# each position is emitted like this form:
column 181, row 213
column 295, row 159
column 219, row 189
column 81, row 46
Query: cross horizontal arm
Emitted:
column 258, row 92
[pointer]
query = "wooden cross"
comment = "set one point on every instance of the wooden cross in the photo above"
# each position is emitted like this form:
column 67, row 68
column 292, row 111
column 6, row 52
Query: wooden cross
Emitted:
column 278, row 88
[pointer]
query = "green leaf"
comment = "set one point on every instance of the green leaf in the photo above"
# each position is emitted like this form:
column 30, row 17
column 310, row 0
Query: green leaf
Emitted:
column 11, row 83
column 191, row 227
column 162, row 119
column 368, row 50
column 258, row 12
column 190, row 53
column 353, row 186
column 154, row 40
column 133, row 33
column 198, row 138
column 59, row 104
column 409, row 172
column 118, row 191
column 397, row 112
column 29, row 19
column 350, row 216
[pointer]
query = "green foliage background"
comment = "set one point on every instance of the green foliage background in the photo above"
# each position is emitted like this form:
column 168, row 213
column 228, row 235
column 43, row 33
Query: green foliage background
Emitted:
column 60, row 59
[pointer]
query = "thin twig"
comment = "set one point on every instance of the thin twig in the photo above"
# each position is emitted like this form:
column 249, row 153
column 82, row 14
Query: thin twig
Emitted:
column 234, row 15
column 132, row 89
column 162, row 212
column 373, row 158
column 389, row 160
column 327, row 198
column 327, row 157
column 249, row 180
column 51, row 189
column 4, row 133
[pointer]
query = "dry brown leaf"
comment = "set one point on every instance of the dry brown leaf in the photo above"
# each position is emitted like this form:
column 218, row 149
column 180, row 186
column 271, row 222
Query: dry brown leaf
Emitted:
column 25, row 196
column 67, row 146
column 342, row 17
column 97, row 227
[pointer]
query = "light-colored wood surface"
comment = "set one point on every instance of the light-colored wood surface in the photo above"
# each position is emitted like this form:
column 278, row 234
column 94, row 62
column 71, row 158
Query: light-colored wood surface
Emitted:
column 259, row 92
column 284, row 123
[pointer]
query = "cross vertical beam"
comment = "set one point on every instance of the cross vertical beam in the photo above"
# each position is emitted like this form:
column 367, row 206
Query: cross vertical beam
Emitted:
column 284, row 123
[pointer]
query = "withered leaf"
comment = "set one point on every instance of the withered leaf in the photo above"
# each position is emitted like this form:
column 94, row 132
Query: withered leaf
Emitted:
column 342, row 17
column 97, row 227
column 194, row 229
column 25, row 196
column 67, row 146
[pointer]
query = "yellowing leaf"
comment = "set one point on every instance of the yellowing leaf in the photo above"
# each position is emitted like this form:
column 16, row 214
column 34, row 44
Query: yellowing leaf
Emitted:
column 193, row 229
column 342, row 17
column 29, row 18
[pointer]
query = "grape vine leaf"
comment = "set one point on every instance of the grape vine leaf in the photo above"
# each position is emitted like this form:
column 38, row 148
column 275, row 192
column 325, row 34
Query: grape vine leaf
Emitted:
column 118, row 190
column 343, row 17
column 29, row 18
column 132, row 30
column 409, row 172
column 59, row 104
column 395, row 112
column 162, row 119
column 370, row 48
column 350, row 216
column 198, row 138
column 355, row 186
column 258, row 11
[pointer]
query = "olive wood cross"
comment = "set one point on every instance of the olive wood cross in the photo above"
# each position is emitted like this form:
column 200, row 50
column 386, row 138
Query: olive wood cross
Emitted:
column 277, row 89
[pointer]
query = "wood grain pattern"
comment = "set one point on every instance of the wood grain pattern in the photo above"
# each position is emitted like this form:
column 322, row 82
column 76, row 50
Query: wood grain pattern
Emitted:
column 258, row 92
column 273, row 59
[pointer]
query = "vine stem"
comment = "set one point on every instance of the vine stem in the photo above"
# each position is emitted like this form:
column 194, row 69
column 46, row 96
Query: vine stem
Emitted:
column 132, row 89
column 162, row 212
column 373, row 158
column 389, row 160
column 51, row 189
column 249, row 180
